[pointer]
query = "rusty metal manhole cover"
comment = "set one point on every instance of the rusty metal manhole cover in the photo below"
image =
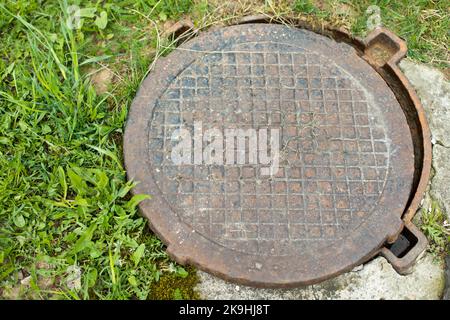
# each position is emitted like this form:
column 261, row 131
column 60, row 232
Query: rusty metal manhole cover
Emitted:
column 326, row 192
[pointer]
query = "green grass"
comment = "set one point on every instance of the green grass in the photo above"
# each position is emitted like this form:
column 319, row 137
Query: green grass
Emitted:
column 424, row 24
column 64, row 197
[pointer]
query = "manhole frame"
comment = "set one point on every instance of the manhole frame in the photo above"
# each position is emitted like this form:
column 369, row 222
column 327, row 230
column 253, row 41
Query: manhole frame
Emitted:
column 410, row 103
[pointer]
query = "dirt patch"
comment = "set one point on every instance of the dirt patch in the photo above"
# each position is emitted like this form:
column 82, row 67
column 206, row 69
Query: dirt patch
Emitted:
column 101, row 80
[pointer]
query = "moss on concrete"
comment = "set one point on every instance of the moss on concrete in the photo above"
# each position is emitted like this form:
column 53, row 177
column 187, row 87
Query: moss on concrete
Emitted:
column 171, row 286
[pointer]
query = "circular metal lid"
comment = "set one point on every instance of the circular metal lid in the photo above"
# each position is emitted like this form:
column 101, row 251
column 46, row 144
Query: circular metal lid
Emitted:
column 330, row 186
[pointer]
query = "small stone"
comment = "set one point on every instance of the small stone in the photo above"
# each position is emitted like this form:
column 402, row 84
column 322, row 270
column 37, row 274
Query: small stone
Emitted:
column 26, row 281
column 358, row 268
column 73, row 279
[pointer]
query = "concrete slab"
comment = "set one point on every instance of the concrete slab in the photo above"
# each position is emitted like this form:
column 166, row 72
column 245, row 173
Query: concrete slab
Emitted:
column 375, row 280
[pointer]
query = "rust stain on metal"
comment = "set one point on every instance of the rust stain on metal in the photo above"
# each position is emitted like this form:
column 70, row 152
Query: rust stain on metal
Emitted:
column 354, row 153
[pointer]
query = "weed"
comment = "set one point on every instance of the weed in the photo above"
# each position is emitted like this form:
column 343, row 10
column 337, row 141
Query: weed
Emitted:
column 436, row 228
column 305, row 6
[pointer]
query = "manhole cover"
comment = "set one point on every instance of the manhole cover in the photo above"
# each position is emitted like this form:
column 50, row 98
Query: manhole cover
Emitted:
column 275, row 156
